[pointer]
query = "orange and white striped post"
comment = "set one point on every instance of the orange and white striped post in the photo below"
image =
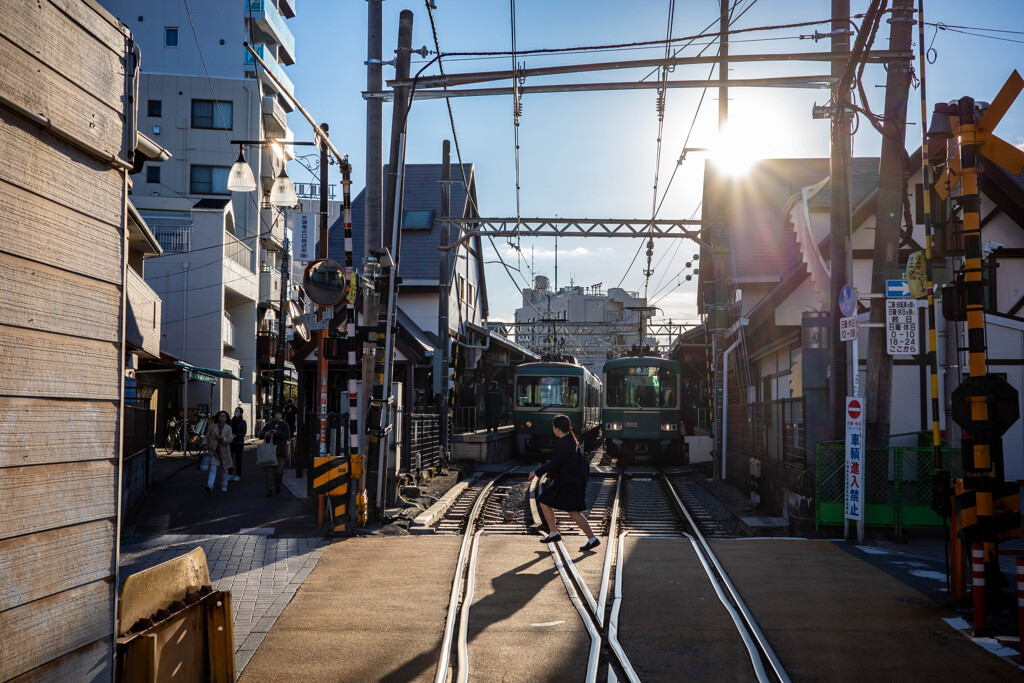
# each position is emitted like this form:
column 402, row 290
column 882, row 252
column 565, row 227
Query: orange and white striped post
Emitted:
column 978, row 586
column 1020, row 601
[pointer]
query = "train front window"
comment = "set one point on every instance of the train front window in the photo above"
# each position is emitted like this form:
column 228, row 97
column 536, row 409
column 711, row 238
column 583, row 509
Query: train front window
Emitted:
column 543, row 392
column 642, row 387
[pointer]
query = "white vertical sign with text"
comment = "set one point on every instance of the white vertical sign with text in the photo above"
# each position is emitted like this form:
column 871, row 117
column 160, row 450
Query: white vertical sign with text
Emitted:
column 305, row 236
column 854, row 498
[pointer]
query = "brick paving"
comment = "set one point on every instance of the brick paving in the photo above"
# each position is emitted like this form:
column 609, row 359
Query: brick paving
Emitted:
column 263, row 572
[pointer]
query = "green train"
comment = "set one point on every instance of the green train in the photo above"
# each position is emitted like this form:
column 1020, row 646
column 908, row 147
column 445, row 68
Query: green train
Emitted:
column 545, row 389
column 642, row 416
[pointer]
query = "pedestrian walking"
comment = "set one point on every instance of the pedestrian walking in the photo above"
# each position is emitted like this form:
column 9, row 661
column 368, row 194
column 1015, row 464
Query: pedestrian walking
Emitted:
column 569, row 468
column 278, row 433
column 218, row 443
column 291, row 414
column 494, row 402
column 238, row 429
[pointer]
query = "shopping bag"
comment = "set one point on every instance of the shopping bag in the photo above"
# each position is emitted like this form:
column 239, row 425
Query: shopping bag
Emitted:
column 204, row 463
column 266, row 455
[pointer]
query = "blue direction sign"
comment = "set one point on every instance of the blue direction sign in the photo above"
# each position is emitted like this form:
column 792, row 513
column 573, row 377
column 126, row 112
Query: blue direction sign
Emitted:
column 897, row 289
column 847, row 300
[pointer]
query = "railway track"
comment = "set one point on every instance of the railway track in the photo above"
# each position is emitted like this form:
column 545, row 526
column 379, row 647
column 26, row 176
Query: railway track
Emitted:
column 640, row 504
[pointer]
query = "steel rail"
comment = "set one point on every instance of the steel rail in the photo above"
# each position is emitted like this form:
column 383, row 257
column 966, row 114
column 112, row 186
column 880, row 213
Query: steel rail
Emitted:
column 613, row 623
column 467, row 601
column 441, row 675
column 741, row 606
column 595, row 634
column 609, row 555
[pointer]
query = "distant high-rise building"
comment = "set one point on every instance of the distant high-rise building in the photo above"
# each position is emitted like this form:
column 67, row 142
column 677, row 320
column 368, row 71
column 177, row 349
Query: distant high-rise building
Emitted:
column 219, row 275
column 547, row 309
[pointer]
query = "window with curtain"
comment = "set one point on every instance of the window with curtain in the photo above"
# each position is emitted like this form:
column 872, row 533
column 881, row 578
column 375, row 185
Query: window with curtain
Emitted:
column 209, row 179
column 212, row 114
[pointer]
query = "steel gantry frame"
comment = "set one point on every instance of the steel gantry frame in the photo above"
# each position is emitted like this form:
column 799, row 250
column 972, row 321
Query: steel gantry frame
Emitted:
column 573, row 227
column 586, row 337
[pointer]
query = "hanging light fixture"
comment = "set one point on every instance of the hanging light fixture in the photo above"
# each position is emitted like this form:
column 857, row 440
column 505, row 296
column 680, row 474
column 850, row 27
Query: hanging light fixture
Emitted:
column 283, row 191
column 240, row 179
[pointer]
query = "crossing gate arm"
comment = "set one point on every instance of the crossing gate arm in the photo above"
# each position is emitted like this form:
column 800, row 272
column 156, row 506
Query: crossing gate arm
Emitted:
column 573, row 227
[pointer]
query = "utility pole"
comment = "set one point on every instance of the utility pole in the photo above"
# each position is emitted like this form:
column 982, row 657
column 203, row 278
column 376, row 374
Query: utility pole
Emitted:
column 892, row 180
column 281, row 317
column 374, row 129
column 723, row 66
column 391, row 234
column 443, row 297
column 839, row 220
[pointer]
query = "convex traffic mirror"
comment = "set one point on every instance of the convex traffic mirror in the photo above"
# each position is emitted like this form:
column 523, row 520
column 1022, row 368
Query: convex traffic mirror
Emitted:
column 325, row 282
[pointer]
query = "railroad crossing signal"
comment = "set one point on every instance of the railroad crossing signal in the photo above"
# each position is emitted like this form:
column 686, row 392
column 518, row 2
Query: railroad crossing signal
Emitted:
column 990, row 146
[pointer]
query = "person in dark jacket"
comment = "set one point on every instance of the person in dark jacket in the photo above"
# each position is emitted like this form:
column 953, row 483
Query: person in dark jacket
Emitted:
column 277, row 432
column 494, row 401
column 570, row 468
column 239, row 429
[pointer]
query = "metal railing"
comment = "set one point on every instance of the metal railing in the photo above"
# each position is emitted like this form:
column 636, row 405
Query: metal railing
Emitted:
column 464, row 419
column 174, row 233
column 236, row 250
column 138, row 429
column 424, row 450
column 269, row 11
column 773, row 430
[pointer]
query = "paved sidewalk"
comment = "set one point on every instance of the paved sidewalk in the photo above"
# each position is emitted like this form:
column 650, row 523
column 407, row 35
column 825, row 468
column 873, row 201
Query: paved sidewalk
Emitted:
column 260, row 548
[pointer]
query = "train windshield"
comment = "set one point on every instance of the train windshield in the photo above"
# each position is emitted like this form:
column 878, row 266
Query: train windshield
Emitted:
column 543, row 392
column 642, row 387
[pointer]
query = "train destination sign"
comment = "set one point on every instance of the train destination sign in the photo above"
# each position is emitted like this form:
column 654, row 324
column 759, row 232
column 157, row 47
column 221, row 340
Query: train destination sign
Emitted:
column 901, row 328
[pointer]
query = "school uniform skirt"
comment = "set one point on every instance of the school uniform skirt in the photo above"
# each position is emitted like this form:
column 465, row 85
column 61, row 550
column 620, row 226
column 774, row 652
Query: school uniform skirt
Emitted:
column 566, row 497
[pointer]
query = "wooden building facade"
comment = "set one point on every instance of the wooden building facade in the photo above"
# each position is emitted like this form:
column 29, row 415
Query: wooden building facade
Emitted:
column 67, row 138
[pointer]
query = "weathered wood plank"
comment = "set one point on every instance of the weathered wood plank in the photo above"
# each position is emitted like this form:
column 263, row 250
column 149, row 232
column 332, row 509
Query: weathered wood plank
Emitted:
column 47, row 431
column 96, row 21
column 29, row 225
column 43, row 164
column 54, row 561
column 51, row 37
column 40, row 364
column 36, row 87
column 48, row 496
column 89, row 664
column 41, row 631
column 42, row 298
column 142, row 322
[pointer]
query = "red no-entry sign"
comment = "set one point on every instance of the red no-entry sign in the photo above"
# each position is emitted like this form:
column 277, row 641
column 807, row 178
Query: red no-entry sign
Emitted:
column 853, row 409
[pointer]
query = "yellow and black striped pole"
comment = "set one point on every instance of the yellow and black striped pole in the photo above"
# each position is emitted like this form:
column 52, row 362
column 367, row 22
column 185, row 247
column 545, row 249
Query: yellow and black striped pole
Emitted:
column 926, row 183
column 981, row 473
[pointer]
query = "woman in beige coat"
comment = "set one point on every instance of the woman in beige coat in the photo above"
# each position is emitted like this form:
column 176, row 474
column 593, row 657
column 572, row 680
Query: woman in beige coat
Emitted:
column 218, row 442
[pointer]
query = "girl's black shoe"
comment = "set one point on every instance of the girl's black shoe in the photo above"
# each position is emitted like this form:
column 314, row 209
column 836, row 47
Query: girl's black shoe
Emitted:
column 551, row 539
column 591, row 544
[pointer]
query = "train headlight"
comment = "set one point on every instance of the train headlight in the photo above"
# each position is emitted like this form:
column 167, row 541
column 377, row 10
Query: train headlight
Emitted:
column 613, row 426
column 529, row 424
column 670, row 427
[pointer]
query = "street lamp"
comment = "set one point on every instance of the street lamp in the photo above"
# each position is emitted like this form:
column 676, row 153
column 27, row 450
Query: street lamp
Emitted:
column 283, row 192
column 240, row 178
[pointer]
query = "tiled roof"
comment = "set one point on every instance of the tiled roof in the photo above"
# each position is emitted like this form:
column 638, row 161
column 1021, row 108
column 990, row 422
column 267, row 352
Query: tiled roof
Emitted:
column 419, row 258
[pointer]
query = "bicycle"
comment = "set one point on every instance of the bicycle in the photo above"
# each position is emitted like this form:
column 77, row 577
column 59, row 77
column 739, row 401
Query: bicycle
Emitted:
column 193, row 442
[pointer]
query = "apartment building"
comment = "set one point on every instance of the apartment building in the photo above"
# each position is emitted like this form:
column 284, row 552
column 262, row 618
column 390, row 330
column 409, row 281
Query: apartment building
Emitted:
column 200, row 89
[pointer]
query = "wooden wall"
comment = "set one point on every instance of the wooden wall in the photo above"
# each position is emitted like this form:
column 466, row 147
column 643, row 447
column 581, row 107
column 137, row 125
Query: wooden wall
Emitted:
column 62, row 280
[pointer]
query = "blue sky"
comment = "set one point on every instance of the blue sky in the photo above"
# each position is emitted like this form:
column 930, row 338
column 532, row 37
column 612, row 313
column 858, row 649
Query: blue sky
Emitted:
column 593, row 154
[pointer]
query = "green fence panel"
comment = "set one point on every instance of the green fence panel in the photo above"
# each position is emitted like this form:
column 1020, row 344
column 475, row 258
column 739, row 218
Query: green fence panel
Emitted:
column 897, row 486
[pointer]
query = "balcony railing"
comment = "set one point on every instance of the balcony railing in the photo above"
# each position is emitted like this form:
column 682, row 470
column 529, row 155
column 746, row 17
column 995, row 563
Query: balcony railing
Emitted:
column 236, row 250
column 271, row 61
column 173, row 230
column 271, row 22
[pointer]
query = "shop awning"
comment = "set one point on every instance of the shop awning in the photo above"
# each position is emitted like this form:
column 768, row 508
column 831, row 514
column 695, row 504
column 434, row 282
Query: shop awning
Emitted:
column 208, row 375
